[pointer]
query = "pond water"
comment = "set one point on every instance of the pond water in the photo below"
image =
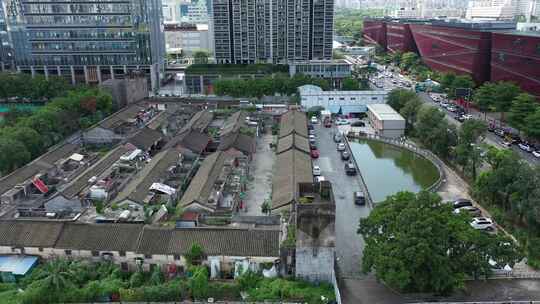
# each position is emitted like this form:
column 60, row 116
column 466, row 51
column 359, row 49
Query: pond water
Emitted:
column 387, row 169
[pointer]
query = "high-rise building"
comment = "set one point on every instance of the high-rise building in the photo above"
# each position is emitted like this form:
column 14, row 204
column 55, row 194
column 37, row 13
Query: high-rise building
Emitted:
column 275, row 31
column 87, row 41
column 502, row 9
column 6, row 52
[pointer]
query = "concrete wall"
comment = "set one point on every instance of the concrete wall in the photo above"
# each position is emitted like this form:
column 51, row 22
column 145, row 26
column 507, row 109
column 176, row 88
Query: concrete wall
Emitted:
column 315, row 264
column 126, row 91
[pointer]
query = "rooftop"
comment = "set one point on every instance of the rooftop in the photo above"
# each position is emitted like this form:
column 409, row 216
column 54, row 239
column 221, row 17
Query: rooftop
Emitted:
column 384, row 112
column 233, row 69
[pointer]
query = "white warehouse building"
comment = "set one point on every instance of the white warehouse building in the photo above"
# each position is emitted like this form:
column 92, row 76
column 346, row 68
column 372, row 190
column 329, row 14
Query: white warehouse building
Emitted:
column 342, row 102
column 386, row 121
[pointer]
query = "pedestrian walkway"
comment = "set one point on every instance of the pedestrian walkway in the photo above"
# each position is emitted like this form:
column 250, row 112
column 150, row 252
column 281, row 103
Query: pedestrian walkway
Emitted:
column 261, row 169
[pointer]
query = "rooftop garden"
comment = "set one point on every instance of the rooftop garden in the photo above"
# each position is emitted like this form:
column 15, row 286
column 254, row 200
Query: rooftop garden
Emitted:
column 234, row 69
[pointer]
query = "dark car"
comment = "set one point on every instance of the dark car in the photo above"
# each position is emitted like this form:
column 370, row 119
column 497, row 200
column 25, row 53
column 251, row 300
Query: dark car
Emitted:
column 499, row 132
column 359, row 198
column 460, row 118
column 312, row 147
column 345, row 155
column 350, row 169
column 462, row 202
column 358, row 124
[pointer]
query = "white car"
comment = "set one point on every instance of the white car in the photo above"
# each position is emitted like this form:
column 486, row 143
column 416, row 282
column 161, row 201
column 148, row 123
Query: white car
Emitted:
column 443, row 104
column 482, row 223
column 525, row 147
column 536, row 153
column 316, row 170
column 314, row 120
column 341, row 147
column 319, row 179
column 341, row 122
column 467, row 116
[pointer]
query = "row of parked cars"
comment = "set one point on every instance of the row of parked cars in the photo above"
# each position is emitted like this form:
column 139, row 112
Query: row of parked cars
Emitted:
column 478, row 221
column 509, row 139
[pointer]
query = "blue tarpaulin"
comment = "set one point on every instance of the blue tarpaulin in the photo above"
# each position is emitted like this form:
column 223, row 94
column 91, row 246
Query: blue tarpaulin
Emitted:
column 353, row 109
column 17, row 264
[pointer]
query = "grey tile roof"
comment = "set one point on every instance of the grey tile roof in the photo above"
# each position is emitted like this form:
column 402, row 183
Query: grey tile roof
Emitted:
column 145, row 138
column 241, row 142
column 293, row 121
column 201, row 185
column 104, row 163
column 101, row 237
column 234, row 122
column 153, row 172
column 293, row 167
column 292, row 141
column 199, row 122
column 29, row 233
column 192, row 140
column 41, row 164
column 121, row 116
column 215, row 241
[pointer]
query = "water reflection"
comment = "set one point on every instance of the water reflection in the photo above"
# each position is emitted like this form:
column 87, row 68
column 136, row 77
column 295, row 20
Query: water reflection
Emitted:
column 388, row 169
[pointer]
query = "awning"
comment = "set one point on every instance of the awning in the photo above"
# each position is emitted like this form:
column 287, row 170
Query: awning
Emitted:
column 334, row 109
column 353, row 109
column 162, row 188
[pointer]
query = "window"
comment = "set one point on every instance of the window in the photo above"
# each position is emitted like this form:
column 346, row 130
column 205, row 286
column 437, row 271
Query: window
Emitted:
column 124, row 266
column 95, row 253
column 331, row 98
column 177, row 257
column 40, row 249
column 122, row 253
column 374, row 98
column 147, row 256
column 67, row 251
column 353, row 98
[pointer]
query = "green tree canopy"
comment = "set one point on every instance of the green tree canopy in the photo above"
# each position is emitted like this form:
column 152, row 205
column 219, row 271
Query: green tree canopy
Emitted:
column 415, row 243
column 504, row 94
column 397, row 98
column 468, row 153
column 532, row 124
column 200, row 57
column 522, row 106
column 484, row 96
column 350, row 84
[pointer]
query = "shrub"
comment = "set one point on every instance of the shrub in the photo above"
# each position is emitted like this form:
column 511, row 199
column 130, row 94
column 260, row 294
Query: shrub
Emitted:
column 198, row 283
column 136, row 279
column 224, row 291
column 248, row 280
column 195, row 254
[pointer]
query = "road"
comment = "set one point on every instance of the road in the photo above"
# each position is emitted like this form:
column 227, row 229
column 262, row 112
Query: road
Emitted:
column 349, row 245
column 490, row 138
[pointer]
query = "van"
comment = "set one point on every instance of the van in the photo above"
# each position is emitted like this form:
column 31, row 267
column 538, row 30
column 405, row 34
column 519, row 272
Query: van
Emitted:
column 359, row 198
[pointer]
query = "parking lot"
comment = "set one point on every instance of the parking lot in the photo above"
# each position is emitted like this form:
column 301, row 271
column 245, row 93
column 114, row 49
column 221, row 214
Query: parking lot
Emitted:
column 349, row 245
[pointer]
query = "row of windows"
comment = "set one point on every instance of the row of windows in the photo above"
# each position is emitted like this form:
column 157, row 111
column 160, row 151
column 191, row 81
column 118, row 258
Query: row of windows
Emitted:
column 85, row 59
column 80, row 8
column 84, row 46
column 86, row 20
column 81, row 34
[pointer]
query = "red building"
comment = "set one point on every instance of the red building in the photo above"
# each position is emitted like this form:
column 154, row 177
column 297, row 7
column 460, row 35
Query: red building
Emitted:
column 515, row 56
column 399, row 37
column 462, row 48
column 374, row 32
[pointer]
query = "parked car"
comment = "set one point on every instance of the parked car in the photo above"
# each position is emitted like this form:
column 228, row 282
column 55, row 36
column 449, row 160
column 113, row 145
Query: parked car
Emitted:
column 341, row 147
column 474, row 211
column 359, row 198
column 338, row 137
column 314, row 120
column 451, row 108
column 462, row 202
column 315, row 153
column 311, row 132
column 312, row 146
column 506, row 143
column 310, row 126
column 443, row 104
column 499, row 132
column 482, row 223
column 319, row 178
column 311, row 136
column 341, row 122
column 316, row 170
column 345, row 155
column 358, row 124
column 460, row 118
column 327, row 123
column 525, row 147
column 536, row 153
column 350, row 169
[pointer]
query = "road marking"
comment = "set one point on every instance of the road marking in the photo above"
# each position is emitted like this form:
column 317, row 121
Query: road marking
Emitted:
column 325, row 164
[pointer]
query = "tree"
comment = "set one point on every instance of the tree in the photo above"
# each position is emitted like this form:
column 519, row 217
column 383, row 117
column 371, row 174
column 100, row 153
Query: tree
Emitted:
column 532, row 124
column 198, row 282
column 195, row 254
column 266, row 207
column 56, row 275
column 200, row 57
column 415, row 243
column 350, row 84
column 13, row 154
column 523, row 105
column 503, row 96
column 408, row 60
column 136, row 279
column 447, row 79
column 468, row 154
column 410, row 111
column 484, row 97
column 434, row 131
column 397, row 98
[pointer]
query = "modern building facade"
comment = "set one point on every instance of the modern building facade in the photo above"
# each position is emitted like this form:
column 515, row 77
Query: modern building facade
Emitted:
column 276, row 31
column 344, row 102
column 187, row 39
column 87, row 42
column 6, row 51
column 386, row 121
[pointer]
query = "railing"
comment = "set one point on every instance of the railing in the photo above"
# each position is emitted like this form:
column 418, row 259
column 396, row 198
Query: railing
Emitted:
column 364, row 185
column 402, row 143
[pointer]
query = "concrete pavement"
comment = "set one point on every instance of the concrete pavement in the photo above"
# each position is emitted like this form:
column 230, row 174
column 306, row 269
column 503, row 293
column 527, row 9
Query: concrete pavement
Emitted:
column 349, row 244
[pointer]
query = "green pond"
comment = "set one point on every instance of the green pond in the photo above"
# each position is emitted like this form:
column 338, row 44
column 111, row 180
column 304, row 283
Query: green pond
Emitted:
column 387, row 169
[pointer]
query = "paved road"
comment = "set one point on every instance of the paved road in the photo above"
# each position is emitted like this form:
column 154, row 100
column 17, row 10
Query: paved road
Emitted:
column 491, row 138
column 261, row 169
column 349, row 245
